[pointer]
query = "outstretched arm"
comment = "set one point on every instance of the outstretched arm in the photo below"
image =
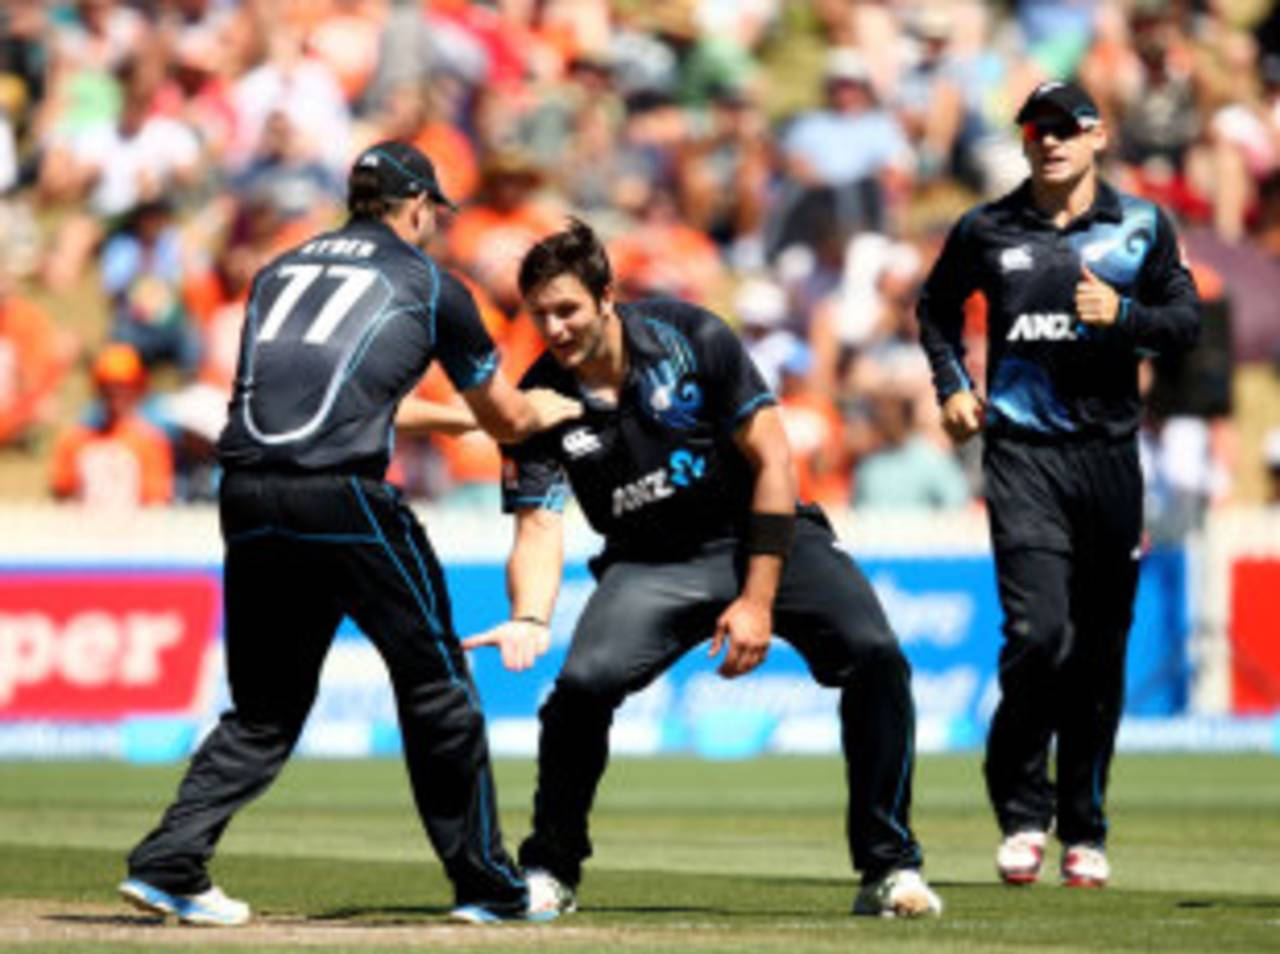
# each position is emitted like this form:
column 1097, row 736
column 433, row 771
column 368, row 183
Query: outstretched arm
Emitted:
column 416, row 416
column 533, row 580
column 509, row 416
column 419, row 416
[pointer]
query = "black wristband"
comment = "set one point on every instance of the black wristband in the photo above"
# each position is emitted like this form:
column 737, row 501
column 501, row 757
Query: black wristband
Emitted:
column 770, row 533
column 530, row 619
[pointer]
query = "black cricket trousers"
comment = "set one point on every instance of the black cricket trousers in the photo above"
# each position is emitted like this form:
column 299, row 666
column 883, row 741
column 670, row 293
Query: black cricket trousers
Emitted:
column 643, row 616
column 1066, row 527
column 302, row 551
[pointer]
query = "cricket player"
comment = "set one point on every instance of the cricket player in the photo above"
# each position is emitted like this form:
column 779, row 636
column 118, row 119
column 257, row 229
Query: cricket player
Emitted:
column 338, row 330
column 1081, row 281
column 680, row 462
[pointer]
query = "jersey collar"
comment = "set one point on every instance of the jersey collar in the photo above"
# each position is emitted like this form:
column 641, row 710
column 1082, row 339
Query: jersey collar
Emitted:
column 1106, row 207
column 643, row 346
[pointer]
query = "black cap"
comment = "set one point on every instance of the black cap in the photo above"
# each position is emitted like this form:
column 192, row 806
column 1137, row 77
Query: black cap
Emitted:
column 1067, row 98
column 396, row 170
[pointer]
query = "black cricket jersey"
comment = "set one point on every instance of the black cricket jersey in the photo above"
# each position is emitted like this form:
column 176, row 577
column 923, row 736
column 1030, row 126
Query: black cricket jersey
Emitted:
column 658, row 474
column 336, row 332
column 1048, row 374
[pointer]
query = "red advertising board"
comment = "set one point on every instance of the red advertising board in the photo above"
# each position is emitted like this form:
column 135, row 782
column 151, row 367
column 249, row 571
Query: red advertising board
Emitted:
column 93, row 645
column 1255, row 650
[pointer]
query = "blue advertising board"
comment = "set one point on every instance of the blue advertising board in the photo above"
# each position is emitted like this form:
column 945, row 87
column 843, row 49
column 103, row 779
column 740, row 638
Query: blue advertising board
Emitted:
column 944, row 610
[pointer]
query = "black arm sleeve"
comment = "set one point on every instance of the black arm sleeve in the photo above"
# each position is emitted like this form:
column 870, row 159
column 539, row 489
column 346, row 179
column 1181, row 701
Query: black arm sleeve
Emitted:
column 463, row 346
column 940, row 311
column 1164, row 314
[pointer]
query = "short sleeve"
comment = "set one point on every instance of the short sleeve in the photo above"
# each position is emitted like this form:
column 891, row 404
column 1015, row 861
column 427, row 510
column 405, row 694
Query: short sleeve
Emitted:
column 735, row 388
column 462, row 345
column 532, row 478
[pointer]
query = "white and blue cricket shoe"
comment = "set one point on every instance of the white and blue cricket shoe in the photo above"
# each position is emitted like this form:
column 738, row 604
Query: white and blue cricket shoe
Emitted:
column 482, row 914
column 209, row 908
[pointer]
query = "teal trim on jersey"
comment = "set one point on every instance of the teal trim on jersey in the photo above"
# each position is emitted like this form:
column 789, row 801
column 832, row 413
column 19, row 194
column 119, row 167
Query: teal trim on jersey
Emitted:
column 250, row 336
column 434, row 302
column 487, row 811
column 432, row 622
column 554, row 500
column 366, row 340
column 750, row 407
column 485, row 368
column 427, row 589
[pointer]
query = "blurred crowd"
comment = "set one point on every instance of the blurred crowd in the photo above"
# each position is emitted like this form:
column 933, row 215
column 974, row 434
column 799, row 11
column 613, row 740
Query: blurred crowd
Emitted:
column 791, row 165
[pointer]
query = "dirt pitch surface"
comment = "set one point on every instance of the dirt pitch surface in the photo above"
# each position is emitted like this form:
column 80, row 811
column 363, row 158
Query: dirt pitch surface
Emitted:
column 45, row 922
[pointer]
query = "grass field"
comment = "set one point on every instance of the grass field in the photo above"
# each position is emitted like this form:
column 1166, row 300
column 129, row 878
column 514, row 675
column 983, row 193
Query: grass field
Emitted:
column 696, row 856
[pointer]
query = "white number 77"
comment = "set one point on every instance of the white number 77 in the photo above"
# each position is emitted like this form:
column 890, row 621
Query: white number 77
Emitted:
column 355, row 282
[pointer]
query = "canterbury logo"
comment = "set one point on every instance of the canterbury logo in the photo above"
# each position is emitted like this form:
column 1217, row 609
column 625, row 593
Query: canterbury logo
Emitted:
column 1052, row 326
column 1016, row 259
column 580, row 442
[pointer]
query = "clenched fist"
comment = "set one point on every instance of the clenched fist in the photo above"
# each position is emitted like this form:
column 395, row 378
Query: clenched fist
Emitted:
column 962, row 416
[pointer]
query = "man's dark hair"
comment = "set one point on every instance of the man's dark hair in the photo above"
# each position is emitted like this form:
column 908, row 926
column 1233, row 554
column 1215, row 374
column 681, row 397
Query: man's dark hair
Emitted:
column 365, row 198
column 575, row 251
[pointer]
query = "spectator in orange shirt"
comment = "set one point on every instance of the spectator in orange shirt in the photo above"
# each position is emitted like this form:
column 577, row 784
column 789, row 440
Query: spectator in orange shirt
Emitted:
column 815, row 431
column 33, row 359
column 663, row 256
column 118, row 460
column 488, row 239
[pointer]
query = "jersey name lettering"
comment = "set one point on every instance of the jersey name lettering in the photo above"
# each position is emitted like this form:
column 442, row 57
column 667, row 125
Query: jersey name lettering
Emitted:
column 345, row 247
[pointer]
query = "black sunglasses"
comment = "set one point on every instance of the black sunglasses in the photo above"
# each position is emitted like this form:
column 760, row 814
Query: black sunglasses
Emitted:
column 1060, row 128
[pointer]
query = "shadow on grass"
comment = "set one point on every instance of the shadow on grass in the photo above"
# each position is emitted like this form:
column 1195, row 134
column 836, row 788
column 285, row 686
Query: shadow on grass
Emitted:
column 388, row 915
column 1232, row 904
column 107, row 920
column 660, row 909
column 379, row 915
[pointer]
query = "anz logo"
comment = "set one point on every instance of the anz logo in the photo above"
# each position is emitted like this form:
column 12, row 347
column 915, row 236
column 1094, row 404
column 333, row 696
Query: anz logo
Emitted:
column 685, row 469
column 1047, row 326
